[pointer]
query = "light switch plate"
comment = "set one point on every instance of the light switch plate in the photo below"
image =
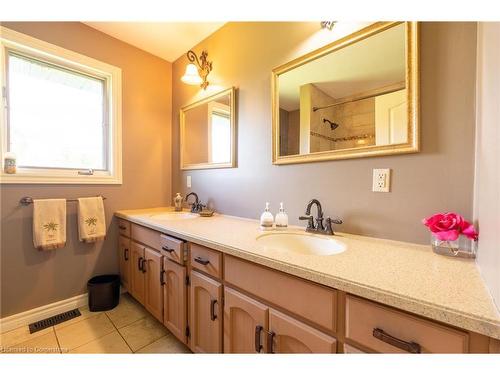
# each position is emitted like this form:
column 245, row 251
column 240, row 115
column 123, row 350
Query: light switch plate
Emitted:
column 188, row 181
column 381, row 180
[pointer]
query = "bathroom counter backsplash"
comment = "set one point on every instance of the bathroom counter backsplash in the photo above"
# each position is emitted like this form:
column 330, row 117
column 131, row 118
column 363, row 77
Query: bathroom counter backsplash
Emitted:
column 403, row 275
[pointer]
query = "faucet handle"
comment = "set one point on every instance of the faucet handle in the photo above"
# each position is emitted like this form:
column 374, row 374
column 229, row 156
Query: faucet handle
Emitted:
column 328, row 228
column 310, row 223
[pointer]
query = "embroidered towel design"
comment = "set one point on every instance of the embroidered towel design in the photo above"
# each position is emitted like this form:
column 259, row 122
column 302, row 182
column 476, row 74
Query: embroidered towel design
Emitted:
column 49, row 223
column 91, row 219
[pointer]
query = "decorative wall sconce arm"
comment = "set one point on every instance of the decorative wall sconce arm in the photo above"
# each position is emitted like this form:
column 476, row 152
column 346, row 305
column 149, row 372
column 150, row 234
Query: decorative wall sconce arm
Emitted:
column 197, row 70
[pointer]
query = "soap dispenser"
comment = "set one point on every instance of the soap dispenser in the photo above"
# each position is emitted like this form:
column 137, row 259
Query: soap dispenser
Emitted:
column 178, row 202
column 281, row 219
column 266, row 219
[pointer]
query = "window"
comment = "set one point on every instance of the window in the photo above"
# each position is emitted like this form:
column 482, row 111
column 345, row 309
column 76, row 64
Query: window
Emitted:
column 61, row 114
column 219, row 125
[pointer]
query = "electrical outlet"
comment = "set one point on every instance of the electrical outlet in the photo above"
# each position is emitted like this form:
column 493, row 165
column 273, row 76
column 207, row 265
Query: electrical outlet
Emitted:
column 381, row 180
column 188, row 181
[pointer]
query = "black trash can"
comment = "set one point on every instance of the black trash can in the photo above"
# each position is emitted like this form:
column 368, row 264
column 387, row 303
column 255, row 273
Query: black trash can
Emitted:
column 104, row 292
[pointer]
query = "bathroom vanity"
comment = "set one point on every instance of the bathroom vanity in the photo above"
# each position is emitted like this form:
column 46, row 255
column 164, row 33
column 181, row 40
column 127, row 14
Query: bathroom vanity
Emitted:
column 218, row 289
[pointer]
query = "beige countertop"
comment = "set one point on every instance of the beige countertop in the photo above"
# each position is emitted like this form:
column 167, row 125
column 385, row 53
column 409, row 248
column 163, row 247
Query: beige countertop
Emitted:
column 404, row 275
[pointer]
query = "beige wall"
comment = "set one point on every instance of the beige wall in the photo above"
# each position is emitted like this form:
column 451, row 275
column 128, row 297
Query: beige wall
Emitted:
column 30, row 278
column 439, row 178
column 487, row 186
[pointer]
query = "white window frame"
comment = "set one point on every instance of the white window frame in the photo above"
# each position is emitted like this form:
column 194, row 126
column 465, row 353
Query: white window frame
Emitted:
column 34, row 48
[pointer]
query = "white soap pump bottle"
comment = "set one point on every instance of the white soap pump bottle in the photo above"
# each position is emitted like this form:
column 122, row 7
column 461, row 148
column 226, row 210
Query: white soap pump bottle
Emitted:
column 281, row 219
column 266, row 219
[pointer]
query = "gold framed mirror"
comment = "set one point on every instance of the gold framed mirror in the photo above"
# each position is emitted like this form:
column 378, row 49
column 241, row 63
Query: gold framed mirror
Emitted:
column 356, row 97
column 208, row 132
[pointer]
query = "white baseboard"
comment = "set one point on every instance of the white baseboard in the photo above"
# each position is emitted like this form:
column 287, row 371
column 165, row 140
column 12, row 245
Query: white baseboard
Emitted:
column 27, row 317
column 34, row 315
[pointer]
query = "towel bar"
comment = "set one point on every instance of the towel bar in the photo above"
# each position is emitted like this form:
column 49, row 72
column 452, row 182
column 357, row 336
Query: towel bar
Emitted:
column 26, row 201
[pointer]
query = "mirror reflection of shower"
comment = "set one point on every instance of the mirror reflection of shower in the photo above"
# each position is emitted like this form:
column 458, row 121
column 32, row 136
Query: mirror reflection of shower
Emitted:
column 333, row 125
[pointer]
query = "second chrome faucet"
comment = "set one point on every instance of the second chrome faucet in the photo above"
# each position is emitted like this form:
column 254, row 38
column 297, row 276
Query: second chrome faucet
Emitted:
column 315, row 225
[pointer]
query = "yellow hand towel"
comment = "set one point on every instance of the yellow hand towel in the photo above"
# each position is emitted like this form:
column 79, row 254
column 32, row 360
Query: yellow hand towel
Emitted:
column 49, row 223
column 91, row 220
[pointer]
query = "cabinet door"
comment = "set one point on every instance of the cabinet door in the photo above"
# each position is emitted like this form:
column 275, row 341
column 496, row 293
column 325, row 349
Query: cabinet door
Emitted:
column 152, row 269
column 245, row 323
column 136, row 274
column 287, row 335
column 175, row 298
column 206, row 314
column 124, row 256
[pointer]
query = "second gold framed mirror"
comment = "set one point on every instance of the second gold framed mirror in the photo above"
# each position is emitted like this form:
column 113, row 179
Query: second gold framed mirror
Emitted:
column 208, row 132
column 356, row 97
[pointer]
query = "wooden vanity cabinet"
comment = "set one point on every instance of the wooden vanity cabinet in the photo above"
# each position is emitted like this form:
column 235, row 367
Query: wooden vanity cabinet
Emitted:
column 137, row 281
column 145, row 278
column 245, row 323
column 288, row 335
column 221, row 303
column 173, row 282
column 153, row 293
column 125, row 261
column 205, row 315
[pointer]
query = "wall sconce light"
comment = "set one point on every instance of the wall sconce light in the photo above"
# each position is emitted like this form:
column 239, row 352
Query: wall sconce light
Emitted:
column 197, row 70
column 328, row 24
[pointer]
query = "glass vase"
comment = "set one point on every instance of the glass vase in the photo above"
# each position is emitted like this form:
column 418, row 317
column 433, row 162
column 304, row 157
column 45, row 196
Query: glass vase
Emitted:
column 462, row 247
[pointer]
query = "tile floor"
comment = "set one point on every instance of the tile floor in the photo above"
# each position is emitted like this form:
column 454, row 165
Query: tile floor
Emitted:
column 128, row 328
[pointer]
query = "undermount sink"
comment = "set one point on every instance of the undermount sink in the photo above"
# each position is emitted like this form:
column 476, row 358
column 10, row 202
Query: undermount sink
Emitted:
column 301, row 243
column 173, row 216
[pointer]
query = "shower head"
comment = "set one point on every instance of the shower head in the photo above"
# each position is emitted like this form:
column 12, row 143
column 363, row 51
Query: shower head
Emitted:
column 333, row 125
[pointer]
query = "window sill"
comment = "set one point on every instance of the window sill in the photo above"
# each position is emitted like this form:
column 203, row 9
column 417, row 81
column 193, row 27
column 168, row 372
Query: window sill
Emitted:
column 24, row 178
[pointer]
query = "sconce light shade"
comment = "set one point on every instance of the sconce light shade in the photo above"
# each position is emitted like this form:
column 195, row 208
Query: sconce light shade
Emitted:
column 197, row 70
column 191, row 76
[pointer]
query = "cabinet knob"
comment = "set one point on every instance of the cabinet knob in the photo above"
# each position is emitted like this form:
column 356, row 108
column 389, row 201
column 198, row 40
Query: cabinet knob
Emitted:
column 122, row 227
column 270, row 341
column 213, row 315
column 201, row 260
column 162, row 278
column 410, row 347
column 167, row 249
column 143, row 266
column 258, row 346
column 125, row 254
column 139, row 264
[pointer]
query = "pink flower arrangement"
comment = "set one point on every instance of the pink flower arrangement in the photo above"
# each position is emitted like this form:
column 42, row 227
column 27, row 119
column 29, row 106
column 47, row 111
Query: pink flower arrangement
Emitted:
column 448, row 226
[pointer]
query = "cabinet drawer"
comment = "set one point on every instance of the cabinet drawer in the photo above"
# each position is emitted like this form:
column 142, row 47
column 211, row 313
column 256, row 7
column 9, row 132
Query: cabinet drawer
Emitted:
column 146, row 236
column 172, row 248
column 313, row 302
column 395, row 329
column 124, row 227
column 206, row 260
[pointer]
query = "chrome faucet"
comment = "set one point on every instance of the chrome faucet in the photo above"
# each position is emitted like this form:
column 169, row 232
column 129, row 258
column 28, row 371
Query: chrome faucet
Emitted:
column 318, row 227
column 197, row 206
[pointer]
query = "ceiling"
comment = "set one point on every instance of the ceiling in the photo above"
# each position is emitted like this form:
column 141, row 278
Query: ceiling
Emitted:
column 168, row 40
column 372, row 63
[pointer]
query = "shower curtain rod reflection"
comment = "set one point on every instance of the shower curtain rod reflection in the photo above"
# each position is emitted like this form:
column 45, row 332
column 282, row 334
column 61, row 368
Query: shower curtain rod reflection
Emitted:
column 393, row 89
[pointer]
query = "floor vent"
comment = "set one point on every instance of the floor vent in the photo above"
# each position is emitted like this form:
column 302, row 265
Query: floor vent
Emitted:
column 53, row 320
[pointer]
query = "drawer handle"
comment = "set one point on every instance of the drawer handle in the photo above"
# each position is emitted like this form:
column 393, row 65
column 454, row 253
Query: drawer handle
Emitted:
column 201, row 260
column 125, row 254
column 143, row 266
column 122, row 227
column 270, row 342
column 162, row 278
column 213, row 315
column 410, row 347
column 258, row 346
column 139, row 263
column 167, row 249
